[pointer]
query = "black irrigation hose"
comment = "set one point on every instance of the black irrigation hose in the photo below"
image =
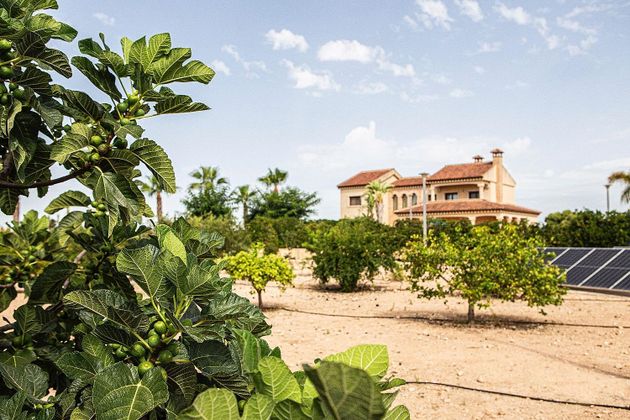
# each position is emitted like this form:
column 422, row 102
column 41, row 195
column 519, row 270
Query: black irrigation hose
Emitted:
column 432, row 319
column 527, row 397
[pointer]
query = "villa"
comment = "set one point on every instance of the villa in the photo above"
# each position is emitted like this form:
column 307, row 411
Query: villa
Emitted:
column 480, row 191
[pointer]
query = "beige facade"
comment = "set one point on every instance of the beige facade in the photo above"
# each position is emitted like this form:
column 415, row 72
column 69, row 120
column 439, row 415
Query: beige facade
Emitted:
column 480, row 191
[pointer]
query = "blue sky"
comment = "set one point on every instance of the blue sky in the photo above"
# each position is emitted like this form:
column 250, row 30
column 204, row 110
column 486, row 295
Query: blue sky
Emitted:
column 327, row 88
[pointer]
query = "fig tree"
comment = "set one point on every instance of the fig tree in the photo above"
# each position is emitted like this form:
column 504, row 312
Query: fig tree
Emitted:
column 160, row 327
column 165, row 356
column 154, row 340
column 137, row 350
column 96, row 140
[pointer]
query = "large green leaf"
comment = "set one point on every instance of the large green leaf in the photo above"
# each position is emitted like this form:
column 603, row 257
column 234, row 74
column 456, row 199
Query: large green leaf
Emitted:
column 69, row 144
column 398, row 413
column 11, row 408
column 140, row 263
column 100, row 77
column 372, row 358
column 201, row 282
column 47, row 286
column 212, row 404
column 36, row 79
column 159, row 45
column 215, row 361
column 170, row 242
column 258, row 407
column 182, row 381
column 119, row 393
column 279, row 382
column 55, row 60
column 346, row 393
column 30, row 379
column 68, row 199
column 179, row 104
column 108, row 305
column 158, row 162
column 171, row 68
column 289, row 410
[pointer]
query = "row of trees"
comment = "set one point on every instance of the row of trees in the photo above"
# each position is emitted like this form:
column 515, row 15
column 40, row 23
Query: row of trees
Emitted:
column 211, row 195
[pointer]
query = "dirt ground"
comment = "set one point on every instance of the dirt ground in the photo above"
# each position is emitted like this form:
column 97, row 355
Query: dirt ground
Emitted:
column 502, row 352
column 587, row 364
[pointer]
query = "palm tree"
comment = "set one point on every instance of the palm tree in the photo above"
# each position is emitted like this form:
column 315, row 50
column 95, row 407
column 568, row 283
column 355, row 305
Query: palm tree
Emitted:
column 375, row 192
column 623, row 178
column 242, row 195
column 274, row 178
column 208, row 179
column 152, row 188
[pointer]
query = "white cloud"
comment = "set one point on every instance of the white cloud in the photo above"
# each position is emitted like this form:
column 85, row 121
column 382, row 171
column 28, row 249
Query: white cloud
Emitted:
column 220, row 67
column 346, row 50
column 250, row 67
column 105, row 19
column 416, row 99
column 434, row 13
column 441, row 79
column 372, row 88
column 520, row 16
column 517, row 15
column 353, row 50
column 479, row 70
column 410, row 22
column 304, row 78
column 489, row 47
column 286, row 40
column 574, row 26
column 583, row 46
column 460, row 93
column 471, row 9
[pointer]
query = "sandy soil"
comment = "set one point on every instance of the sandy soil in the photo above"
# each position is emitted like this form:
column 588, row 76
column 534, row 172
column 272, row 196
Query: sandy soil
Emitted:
column 586, row 364
column 577, row 363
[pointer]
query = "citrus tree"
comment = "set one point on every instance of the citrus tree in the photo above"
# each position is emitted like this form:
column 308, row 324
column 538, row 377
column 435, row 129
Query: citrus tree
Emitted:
column 120, row 320
column 483, row 265
column 352, row 250
column 259, row 269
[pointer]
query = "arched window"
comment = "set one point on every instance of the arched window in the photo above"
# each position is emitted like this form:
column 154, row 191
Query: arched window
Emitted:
column 414, row 199
column 404, row 201
column 395, row 202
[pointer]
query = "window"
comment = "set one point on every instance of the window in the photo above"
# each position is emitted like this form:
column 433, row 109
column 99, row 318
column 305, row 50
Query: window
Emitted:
column 414, row 199
column 355, row 200
column 429, row 197
column 473, row 194
column 404, row 201
column 450, row 196
column 395, row 202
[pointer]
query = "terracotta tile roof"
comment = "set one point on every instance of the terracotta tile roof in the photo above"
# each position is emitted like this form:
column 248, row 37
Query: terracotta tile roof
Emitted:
column 411, row 181
column 364, row 178
column 454, row 206
column 461, row 171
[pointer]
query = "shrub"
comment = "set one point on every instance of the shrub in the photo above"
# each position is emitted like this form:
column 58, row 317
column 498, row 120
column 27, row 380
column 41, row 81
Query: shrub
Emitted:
column 261, row 230
column 351, row 250
column 290, row 202
column 236, row 238
column 86, row 345
column 587, row 228
column 482, row 266
column 259, row 269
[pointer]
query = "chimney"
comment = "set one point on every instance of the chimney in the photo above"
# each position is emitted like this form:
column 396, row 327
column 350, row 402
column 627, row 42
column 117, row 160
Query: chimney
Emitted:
column 478, row 159
column 497, row 164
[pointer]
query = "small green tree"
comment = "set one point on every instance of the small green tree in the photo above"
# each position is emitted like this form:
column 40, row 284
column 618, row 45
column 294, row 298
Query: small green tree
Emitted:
column 351, row 250
column 215, row 202
column 376, row 191
column 259, row 269
column 482, row 266
column 243, row 196
column 207, row 178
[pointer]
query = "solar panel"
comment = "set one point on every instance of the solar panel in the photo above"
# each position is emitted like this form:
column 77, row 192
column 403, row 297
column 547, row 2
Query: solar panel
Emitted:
column 578, row 274
column 624, row 284
column 571, row 256
column 604, row 268
column 552, row 253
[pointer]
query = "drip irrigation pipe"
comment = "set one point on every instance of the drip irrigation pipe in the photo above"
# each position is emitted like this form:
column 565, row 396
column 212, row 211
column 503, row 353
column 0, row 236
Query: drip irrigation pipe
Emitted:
column 527, row 397
column 432, row 319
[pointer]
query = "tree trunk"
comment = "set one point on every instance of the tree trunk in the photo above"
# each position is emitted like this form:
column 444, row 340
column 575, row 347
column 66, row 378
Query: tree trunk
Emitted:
column 16, row 213
column 158, row 198
column 471, row 311
column 244, row 213
column 260, row 303
column 275, row 188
